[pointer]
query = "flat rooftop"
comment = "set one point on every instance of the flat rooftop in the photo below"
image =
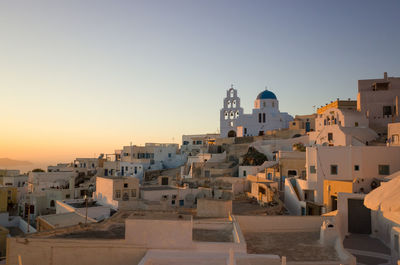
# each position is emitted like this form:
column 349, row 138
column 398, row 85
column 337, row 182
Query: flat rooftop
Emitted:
column 64, row 219
column 82, row 204
column 296, row 246
column 111, row 228
column 210, row 235
column 159, row 216
column 157, row 188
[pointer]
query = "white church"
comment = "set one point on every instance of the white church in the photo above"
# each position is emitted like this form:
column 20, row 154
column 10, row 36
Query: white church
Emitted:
column 266, row 115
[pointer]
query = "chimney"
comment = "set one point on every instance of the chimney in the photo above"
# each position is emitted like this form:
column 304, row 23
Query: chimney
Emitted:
column 385, row 75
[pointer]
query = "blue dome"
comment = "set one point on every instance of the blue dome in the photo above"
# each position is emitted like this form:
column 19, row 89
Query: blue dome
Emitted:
column 266, row 94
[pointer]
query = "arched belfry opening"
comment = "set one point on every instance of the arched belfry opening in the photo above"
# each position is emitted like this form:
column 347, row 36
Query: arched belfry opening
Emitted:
column 231, row 133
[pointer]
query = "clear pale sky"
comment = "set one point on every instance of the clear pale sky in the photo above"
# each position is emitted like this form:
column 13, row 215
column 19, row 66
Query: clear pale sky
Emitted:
column 78, row 78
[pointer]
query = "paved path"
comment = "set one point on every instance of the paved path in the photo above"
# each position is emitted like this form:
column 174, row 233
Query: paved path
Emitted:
column 367, row 250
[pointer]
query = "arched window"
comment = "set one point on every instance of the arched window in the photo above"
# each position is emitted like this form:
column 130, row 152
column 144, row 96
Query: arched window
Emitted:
column 229, row 104
column 226, row 115
column 232, row 115
column 232, row 93
column 273, row 104
column 237, row 114
column 234, row 104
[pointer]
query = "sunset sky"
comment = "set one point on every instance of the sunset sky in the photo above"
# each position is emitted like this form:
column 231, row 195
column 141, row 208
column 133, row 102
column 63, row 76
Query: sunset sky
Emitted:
column 79, row 78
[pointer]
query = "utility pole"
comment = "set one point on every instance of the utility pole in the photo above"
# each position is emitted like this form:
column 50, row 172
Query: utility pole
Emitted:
column 86, row 202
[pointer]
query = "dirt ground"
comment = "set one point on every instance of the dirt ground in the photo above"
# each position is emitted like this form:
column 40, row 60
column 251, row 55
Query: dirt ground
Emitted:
column 296, row 246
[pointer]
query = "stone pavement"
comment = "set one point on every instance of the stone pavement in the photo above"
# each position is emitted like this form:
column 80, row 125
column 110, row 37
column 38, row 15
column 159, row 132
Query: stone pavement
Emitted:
column 367, row 250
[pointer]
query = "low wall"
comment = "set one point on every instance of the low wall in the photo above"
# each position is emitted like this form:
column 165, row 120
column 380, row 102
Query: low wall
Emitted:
column 159, row 233
column 34, row 251
column 279, row 223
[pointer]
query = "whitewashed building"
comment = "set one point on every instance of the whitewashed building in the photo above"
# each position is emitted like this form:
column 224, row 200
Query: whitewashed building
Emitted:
column 264, row 117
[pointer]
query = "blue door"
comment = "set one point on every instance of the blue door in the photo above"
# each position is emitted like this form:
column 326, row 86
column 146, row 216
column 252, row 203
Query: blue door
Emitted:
column 308, row 126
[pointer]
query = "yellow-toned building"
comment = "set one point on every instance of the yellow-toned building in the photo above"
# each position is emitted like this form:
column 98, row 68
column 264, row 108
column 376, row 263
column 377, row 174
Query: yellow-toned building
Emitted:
column 7, row 195
column 331, row 190
column 3, row 241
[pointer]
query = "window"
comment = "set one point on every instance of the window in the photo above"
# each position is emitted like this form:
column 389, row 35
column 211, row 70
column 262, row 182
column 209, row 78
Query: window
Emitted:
column 133, row 193
column 384, row 170
column 334, row 169
column 330, row 137
column 67, row 196
column 395, row 138
column 263, row 117
column 52, row 203
column 312, row 170
column 232, row 93
column 234, row 104
column 229, row 105
column 245, row 130
column 244, row 173
column 259, row 117
column 173, row 202
column 264, row 104
column 199, row 142
column 125, row 185
column 232, row 115
column 226, row 115
column 169, row 155
column 356, row 167
column 117, row 194
column 185, row 142
column 273, row 104
column 387, row 110
column 135, row 170
column 237, row 114
column 356, row 124
column 164, row 181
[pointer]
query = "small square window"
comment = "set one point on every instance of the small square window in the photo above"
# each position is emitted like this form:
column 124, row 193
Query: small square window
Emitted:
column 312, row 170
column 334, row 169
column 356, row 167
column 384, row 169
column 125, row 185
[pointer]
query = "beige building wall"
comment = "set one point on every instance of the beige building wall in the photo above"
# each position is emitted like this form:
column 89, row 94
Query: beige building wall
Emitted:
column 394, row 134
column 374, row 95
column 111, row 190
column 292, row 161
